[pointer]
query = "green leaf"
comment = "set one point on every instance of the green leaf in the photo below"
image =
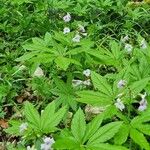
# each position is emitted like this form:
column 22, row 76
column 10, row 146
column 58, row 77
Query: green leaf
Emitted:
column 50, row 119
column 106, row 146
column 138, row 86
column 105, row 133
column 122, row 134
column 139, row 139
column 78, row 125
column 26, row 56
column 93, row 98
column 36, row 47
column 46, row 116
column 93, row 126
column 32, row 115
column 14, row 128
column 65, row 143
column 58, row 116
column 64, row 62
column 144, row 128
column 101, row 84
column 141, row 119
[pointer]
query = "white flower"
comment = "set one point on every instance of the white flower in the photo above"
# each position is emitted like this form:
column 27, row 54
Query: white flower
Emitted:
column 67, row 17
column 124, row 39
column 128, row 48
column 119, row 104
column 76, row 38
column 81, row 28
column 87, row 82
column 143, row 103
column 38, row 72
column 121, row 84
column 143, row 44
column 76, row 83
column 23, row 127
column 66, row 30
column 48, row 141
column 47, row 145
column 87, row 72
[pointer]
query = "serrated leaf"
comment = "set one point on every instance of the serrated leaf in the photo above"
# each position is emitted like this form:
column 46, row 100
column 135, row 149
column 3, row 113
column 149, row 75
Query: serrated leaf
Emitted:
column 93, row 98
column 105, row 133
column 101, row 84
column 139, row 139
column 32, row 115
column 78, row 125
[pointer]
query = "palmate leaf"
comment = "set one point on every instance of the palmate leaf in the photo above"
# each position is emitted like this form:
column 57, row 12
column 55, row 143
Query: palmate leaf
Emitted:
column 48, row 120
column 78, row 125
column 139, row 139
column 93, row 126
column 65, row 93
column 105, row 133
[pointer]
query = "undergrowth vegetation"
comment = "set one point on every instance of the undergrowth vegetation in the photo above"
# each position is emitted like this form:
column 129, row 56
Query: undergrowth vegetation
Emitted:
column 74, row 75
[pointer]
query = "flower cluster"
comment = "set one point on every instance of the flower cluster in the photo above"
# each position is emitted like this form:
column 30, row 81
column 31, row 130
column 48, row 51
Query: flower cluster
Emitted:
column 81, row 29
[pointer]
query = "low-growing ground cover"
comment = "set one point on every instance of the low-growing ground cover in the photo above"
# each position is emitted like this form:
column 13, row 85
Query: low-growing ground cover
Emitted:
column 74, row 75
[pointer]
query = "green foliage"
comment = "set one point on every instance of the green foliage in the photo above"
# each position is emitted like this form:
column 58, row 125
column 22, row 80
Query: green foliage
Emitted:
column 90, row 59
column 88, row 136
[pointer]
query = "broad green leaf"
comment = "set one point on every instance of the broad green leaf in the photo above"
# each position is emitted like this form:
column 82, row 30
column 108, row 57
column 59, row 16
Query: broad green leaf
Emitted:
column 36, row 47
column 115, row 48
column 101, row 84
column 139, row 139
column 26, row 56
column 66, row 143
column 106, row 146
column 32, row 115
column 58, row 116
column 138, row 86
column 48, row 39
column 78, row 125
column 43, row 58
column 38, row 41
column 122, row 134
column 46, row 116
column 141, row 119
column 64, row 62
column 144, row 128
column 93, row 98
column 105, row 133
column 93, row 126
